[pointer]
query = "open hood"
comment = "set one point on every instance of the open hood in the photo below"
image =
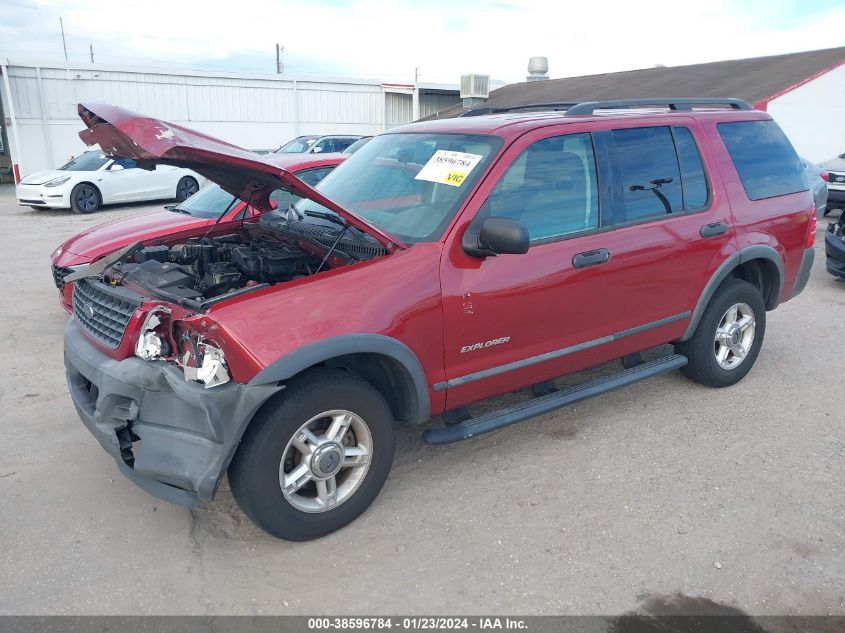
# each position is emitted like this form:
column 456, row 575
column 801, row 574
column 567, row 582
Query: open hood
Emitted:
column 126, row 134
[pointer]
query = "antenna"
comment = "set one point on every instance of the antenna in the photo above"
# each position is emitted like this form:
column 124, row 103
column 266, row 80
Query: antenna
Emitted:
column 64, row 45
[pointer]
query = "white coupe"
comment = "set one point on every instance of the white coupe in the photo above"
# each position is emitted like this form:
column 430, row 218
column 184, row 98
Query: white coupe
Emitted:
column 92, row 179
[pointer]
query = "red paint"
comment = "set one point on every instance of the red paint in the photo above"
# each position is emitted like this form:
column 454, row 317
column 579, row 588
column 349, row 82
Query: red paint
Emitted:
column 763, row 104
column 17, row 172
column 436, row 299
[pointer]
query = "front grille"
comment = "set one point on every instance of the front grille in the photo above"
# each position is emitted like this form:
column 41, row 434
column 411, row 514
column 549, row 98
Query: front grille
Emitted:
column 102, row 311
column 32, row 202
column 59, row 276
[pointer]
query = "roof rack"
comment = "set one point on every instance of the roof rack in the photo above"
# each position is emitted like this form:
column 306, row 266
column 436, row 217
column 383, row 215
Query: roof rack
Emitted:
column 589, row 107
column 552, row 107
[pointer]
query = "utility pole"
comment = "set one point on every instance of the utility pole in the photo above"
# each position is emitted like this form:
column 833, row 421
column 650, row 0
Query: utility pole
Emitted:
column 91, row 48
column 64, row 45
column 280, row 67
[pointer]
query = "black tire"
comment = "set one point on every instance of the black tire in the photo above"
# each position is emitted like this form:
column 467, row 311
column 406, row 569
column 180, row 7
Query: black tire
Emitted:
column 185, row 188
column 254, row 472
column 703, row 366
column 85, row 198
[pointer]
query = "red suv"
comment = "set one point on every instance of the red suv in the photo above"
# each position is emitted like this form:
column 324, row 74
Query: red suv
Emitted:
column 442, row 264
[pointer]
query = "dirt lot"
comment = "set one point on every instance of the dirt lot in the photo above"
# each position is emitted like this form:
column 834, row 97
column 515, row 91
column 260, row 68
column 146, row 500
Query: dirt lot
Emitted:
column 662, row 488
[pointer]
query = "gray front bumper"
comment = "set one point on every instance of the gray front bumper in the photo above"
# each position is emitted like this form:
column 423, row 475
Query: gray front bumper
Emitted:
column 172, row 437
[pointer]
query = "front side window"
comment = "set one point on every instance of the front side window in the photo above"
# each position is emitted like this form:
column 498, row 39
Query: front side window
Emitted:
column 648, row 179
column 410, row 185
column 764, row 158
column 551, row 187
column 126, row 163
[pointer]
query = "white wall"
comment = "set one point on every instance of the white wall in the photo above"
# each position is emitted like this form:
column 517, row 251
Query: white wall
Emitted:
column 813, row 116
column 253, row 111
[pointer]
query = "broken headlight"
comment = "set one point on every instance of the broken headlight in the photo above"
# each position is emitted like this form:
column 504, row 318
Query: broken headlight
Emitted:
column 202, row 361
column 152, row 340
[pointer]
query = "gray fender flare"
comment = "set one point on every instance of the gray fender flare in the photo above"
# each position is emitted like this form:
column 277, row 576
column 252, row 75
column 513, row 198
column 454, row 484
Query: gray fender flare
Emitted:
column 300, row 359
column 757, row 251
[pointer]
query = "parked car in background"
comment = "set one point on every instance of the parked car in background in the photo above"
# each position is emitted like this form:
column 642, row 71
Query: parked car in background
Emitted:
column 194, row 216
column 316, row 144
column 817, row 178
column 834, row 247
column 91, row 180
column 357, row 144
column 836, row 182
column 444, row 263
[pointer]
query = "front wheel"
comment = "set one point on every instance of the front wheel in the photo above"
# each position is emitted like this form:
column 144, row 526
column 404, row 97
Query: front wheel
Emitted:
column 85, row 198
column 185, row 188
column 728, row 337
column 316, row 457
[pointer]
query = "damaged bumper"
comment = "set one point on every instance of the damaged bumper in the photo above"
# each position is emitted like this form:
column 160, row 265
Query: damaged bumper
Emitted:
column 834, row 249
column 172, row 437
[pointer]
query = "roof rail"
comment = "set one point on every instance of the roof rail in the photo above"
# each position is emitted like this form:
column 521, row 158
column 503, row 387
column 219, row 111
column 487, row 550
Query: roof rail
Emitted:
column 589, row 107
column 529, row 106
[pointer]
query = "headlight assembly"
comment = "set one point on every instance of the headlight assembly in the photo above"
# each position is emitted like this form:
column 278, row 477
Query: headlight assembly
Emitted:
column 57, row 181
column 203, row 361
column 152, row 341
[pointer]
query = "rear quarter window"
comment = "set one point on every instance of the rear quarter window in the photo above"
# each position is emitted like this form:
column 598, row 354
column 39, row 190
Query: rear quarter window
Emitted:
column 764, row 158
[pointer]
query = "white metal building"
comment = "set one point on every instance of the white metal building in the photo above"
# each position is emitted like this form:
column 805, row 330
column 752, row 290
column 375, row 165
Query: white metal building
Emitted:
column 40, row 124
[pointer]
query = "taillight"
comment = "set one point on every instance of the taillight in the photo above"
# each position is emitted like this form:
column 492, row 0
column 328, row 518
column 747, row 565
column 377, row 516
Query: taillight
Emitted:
column 811, row 229
column 825, row 176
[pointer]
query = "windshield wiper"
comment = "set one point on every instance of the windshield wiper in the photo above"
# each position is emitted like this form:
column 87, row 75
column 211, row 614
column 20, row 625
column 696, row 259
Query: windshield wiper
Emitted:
column 292, row 209
column 176, row 209
column 327, row 216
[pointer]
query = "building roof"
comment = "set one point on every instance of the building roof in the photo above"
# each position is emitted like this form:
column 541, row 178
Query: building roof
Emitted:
column 755, row 80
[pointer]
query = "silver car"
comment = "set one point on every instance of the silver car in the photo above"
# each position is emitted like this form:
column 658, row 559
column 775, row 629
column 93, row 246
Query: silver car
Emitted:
column 818, row 185
column 836, row 181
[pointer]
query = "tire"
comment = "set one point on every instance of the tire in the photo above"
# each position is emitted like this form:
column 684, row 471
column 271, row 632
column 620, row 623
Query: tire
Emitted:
column 85, row 198
column 267, row 452
column 185, row 188
column 704, row 366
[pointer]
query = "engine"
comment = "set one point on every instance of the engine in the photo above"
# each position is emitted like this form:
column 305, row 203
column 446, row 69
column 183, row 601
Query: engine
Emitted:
column 203, row 268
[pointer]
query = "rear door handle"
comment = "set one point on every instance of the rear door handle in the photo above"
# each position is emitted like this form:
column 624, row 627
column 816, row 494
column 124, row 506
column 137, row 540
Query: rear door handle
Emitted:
column 714, row 230
column 591, row 258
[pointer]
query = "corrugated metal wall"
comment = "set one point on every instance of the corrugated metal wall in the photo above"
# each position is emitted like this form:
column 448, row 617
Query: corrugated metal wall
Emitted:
column 255, row 112
column 398, row 109
column 434, row 103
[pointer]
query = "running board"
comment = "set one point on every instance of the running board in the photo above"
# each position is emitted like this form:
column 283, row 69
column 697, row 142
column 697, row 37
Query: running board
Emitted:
column 555, row 400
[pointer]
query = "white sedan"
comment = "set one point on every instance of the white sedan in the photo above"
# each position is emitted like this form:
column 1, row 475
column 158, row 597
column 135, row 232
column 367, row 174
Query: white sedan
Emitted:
column 92, row 179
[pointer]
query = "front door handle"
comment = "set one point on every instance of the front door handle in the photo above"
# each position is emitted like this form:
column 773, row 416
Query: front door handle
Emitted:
column 714, row 230
column 591, row 258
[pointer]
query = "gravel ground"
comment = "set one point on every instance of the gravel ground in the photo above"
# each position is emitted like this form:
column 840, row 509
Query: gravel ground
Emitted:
column 665, row 488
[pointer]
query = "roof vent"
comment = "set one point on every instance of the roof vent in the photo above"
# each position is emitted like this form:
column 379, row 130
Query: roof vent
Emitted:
column 538, row 69
column 474, row 89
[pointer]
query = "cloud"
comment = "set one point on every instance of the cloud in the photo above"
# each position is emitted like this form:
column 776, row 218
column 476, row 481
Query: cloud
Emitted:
column 389, row 38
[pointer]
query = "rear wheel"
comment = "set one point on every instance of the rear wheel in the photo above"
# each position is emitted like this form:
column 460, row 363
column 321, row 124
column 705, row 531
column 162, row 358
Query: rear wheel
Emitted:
column 728, row 338
column 185, row 188
column 313, row 460
column 85, row 198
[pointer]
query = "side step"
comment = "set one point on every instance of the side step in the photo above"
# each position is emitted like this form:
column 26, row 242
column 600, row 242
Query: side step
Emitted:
column 555, row 400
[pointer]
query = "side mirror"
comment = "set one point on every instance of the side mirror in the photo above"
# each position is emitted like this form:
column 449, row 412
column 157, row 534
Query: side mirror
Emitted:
column 496, row 236
column 116, row 167
column 317, row 150
column 274, row 204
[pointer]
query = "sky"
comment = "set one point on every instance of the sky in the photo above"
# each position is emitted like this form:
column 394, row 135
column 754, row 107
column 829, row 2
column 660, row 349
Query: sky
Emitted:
column 391, row 39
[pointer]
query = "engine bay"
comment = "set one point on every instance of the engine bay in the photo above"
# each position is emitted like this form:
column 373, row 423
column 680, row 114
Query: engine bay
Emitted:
column 204, row 268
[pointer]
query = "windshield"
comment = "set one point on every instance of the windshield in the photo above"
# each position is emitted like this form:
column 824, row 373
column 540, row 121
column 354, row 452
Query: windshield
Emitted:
column 88, row 161
column 410, row 185
column 297, row 145
column 357, row 145
column 208, row 202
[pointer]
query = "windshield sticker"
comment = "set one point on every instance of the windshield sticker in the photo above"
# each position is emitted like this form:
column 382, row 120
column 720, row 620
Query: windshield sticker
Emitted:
column 448, row 168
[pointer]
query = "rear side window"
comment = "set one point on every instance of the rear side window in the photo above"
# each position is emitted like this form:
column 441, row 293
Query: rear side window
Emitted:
column 693, row 180
column 764, row 158
column 552, row 188
column 647, row 174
